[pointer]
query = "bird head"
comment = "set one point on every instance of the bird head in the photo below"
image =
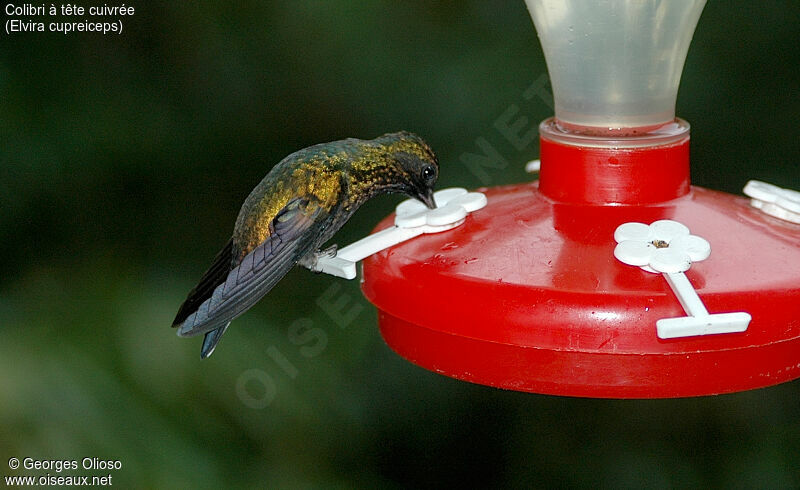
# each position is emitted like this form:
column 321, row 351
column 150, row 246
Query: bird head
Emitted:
column 414, row 163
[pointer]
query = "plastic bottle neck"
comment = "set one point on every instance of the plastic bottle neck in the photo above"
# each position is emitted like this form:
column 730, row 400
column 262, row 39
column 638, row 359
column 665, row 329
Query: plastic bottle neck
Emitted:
column 644, row 168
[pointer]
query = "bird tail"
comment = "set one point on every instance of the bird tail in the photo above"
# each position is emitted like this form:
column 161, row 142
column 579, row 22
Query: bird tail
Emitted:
column 211, row 340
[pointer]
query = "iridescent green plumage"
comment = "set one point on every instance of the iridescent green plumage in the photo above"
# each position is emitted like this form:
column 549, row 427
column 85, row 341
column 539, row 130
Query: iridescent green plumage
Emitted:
column 292, row 212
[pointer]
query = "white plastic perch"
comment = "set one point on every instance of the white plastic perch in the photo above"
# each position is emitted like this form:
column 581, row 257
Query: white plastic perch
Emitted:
column 666, row 246
column 412, row 218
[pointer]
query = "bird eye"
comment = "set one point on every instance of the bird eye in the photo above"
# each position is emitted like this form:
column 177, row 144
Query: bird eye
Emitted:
column 428, row 173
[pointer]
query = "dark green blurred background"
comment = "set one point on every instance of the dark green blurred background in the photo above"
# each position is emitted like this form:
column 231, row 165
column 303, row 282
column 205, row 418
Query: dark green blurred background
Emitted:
column 123, row 163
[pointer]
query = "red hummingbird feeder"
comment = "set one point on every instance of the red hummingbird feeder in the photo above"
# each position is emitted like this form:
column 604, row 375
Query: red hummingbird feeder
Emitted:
column 597, row 280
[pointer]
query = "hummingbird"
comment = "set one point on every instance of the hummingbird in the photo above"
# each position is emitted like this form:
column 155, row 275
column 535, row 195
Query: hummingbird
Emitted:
column 298, row 206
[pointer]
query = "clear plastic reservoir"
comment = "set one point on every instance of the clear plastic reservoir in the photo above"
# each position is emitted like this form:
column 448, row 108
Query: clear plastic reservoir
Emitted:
column 615, row 65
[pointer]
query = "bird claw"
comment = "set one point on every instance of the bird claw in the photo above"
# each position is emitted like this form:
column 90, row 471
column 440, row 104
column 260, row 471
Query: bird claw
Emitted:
column 311, row 261
column 329, row 252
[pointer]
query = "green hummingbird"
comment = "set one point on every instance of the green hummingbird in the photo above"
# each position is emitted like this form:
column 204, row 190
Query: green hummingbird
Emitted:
column 292, row 212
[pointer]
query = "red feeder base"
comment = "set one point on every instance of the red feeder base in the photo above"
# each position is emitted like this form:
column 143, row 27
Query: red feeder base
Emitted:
column 527, row 295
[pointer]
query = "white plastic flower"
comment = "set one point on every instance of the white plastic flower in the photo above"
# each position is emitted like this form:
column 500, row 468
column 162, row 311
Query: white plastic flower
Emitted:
column 773, row 200
column 533, row 167
column 664, row 246
column 452, row 204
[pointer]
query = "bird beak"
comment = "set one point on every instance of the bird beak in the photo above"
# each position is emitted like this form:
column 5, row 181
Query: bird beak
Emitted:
column 427, row 198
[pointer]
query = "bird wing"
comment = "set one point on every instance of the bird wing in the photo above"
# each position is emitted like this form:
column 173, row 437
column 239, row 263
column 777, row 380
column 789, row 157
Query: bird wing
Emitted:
column 292, row 235
column 214, row 276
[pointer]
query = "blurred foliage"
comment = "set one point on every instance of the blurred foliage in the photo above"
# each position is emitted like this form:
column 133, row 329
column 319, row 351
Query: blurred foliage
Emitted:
column 123, row 163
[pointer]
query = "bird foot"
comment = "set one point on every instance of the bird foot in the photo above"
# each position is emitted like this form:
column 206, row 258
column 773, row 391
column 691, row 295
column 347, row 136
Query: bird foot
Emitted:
column 311, row 260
